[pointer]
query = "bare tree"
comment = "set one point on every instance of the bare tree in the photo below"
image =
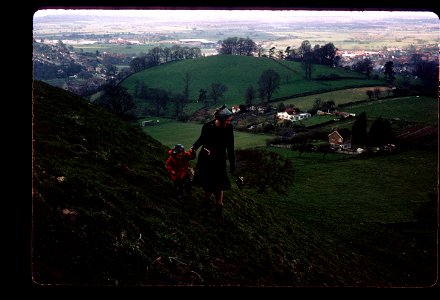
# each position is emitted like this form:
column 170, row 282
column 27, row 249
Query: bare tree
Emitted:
column 186, row 82
column 217, row 91
column 307, row 64
column 269, row 83
column 202, row 97
column 250, row 94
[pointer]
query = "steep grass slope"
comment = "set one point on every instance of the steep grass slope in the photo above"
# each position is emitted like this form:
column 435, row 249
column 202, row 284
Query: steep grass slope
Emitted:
column 104, row 212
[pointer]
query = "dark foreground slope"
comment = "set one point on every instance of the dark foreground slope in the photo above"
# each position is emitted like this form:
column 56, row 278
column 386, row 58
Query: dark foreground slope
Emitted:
column 104, row 213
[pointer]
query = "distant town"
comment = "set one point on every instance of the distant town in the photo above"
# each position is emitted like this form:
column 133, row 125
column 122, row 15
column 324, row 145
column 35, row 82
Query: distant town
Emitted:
column 97, row 68
column 82, row 53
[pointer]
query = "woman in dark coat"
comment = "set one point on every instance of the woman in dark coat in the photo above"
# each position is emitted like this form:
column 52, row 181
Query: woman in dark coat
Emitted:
column 217, row 145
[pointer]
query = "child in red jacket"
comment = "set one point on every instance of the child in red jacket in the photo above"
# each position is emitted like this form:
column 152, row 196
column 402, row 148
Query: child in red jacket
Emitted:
column 177, row 165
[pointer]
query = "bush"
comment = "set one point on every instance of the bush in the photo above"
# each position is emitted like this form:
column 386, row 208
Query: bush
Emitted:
column 264, row 170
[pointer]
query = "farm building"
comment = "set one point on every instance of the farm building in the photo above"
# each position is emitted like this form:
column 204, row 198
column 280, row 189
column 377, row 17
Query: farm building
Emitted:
column 340, row 138
column 293, row 117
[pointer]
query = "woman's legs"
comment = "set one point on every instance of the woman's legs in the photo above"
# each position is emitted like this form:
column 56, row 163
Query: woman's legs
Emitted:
column 219, row 198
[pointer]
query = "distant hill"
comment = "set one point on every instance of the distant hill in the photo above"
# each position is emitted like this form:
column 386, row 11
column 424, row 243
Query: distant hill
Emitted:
column 237, row 73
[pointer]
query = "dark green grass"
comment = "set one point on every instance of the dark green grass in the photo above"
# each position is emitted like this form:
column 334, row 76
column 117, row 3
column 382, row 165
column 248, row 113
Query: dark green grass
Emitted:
column 370, row 207
column 338, row 97
column 413, row 109
column 385, row 189
column 399, row 111
column 104, row 214
column 237, row 73
column 170, row 132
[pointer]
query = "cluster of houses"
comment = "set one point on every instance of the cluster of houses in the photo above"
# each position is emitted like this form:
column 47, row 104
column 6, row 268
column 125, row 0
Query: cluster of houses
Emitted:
column 293, row 114
column 293, row 117
column 401, row 58
column 259, row 109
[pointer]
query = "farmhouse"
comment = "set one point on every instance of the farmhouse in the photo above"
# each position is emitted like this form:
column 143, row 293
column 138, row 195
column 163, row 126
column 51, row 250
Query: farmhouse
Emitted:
column 340, row 138
column 293, row 117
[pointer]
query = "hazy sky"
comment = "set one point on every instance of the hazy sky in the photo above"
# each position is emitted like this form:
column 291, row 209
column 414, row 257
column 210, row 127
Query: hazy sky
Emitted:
column 193, row 14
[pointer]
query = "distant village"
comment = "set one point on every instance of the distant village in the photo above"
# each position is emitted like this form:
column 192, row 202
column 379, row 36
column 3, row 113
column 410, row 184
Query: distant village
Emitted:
column 348, row 57
column 87, row 71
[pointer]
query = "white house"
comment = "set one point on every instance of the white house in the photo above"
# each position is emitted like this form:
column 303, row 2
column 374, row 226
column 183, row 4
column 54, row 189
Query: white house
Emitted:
column 293, row 117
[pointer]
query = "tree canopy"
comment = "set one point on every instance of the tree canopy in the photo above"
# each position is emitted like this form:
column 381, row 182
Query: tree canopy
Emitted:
column 359, row 130
column 264, row 170
column 269, row 83
column 117, row 100
column 238, row 46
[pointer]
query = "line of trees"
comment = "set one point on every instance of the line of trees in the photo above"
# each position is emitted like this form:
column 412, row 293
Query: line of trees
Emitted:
column 238, row 46
column 161, row 98
column 159, row 55
column 324, row 55
column 305, row 54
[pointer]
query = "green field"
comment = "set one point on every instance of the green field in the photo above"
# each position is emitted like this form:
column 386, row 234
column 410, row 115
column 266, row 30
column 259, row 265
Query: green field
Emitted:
column 339, row 97
column 364, row 211
column 408, row 109
column 170, row 132
column 412, row 109
column 237, row 73
column 385, row 189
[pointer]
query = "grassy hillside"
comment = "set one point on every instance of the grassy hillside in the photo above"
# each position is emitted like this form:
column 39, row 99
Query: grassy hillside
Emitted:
column 338, row 97
column 104, row 214
column 411, row 109
column 237, row 73
column 170, row 132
